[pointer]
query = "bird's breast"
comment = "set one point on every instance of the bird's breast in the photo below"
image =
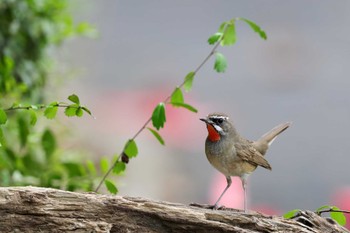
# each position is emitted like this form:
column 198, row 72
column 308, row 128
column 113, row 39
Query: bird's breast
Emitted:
column 224, row 158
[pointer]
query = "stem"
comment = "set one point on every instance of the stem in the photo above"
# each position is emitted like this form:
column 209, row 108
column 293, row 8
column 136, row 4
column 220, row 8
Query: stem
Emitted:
column 60, row 105
column 111, row 168
column 107, row 173
column 333, row 210
column 43, row 106
column 150, row 119
column 142, row 128
column 207, row 58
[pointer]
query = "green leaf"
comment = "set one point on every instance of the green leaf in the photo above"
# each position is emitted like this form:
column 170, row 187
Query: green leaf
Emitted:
column 183, row 105
column 23, row 131
column 214, row 38
column 119, row 167
column 188, row 81
column 15, row 105
column 222, row 27
column 8, row 159
column 339, row 217
column 74, row 169
column 79, row 112
column 290, row 214
column 31, row 164
column 33, row 118
column 48, row 142
column 53, row 104
column 111, row 187
column 220, row 64
column 158, row 116
column 50, row 112
column 71, row 110
column 86, row 29
column 131, row 149
column 177, row 96
column 74, row 98
column 1, row 138
column 87, row 110
column 35, row 107
column 229, row 37
column 157, row 135
column 104, row 165
column 9, row 62
column 255, row 28
column 3, row 117
column 91, row 167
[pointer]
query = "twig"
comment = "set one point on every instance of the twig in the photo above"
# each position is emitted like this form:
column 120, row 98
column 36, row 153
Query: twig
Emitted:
column 332, row 210
column 42, row 106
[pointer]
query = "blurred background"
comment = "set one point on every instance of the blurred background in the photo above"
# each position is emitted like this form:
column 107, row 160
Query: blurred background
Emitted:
column 299, row 74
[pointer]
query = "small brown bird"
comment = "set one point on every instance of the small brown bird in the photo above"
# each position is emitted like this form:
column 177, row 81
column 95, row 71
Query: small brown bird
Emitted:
column 234, row 155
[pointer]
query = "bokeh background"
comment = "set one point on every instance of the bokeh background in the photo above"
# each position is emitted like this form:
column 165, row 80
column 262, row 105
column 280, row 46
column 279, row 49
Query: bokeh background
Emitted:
column 300, row 74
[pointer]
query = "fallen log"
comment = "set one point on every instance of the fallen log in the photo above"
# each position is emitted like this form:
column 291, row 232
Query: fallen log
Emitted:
column 33, row 209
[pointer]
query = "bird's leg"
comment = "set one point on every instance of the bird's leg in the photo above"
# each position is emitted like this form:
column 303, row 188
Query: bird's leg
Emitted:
column 229, row 182
column 244, row 184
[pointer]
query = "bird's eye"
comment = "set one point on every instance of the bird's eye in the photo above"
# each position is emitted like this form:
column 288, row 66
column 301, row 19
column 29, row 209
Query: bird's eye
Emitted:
column 220, row 120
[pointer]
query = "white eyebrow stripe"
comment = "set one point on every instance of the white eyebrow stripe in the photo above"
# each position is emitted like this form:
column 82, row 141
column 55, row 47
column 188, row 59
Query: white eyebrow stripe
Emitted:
column 218, row 117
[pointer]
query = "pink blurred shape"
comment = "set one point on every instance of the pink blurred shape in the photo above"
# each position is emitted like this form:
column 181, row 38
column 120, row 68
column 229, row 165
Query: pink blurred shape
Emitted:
column 341, row 199
column 266, row 209
column 124, row 112
column 234, row 196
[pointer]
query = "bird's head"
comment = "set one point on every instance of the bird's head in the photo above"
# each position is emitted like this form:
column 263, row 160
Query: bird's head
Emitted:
column 218, row 125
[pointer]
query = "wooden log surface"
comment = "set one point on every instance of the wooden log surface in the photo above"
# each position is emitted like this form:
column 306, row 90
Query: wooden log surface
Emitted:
column 33, row 209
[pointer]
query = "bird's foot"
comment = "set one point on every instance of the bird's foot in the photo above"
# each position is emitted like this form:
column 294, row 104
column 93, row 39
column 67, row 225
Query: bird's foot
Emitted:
column 206, row 206
column 216, row 207
column 221, row 208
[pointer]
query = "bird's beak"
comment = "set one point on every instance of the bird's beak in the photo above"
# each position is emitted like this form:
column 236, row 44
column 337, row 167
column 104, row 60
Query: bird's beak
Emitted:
column 206, row 120
column 203, row 119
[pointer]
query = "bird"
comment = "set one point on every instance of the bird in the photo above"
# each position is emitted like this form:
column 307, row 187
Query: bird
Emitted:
column 233, row 155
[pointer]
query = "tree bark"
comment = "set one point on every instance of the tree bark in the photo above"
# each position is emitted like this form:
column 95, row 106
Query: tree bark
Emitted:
column 33, row 209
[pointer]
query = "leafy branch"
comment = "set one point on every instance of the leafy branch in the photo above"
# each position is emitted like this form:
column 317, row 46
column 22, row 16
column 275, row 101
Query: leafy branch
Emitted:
column 41, row 166
column 74, row 109
column 225, row 36
column 335, row 213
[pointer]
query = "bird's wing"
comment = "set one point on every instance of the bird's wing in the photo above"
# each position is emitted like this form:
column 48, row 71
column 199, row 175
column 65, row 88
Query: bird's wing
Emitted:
column 249, row 154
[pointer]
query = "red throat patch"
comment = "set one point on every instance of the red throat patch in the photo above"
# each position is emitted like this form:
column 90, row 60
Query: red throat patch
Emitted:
column 213, row 135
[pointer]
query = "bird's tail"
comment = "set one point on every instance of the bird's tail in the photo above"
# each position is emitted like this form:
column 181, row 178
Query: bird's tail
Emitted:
column 270, row 136
column 266, row 140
